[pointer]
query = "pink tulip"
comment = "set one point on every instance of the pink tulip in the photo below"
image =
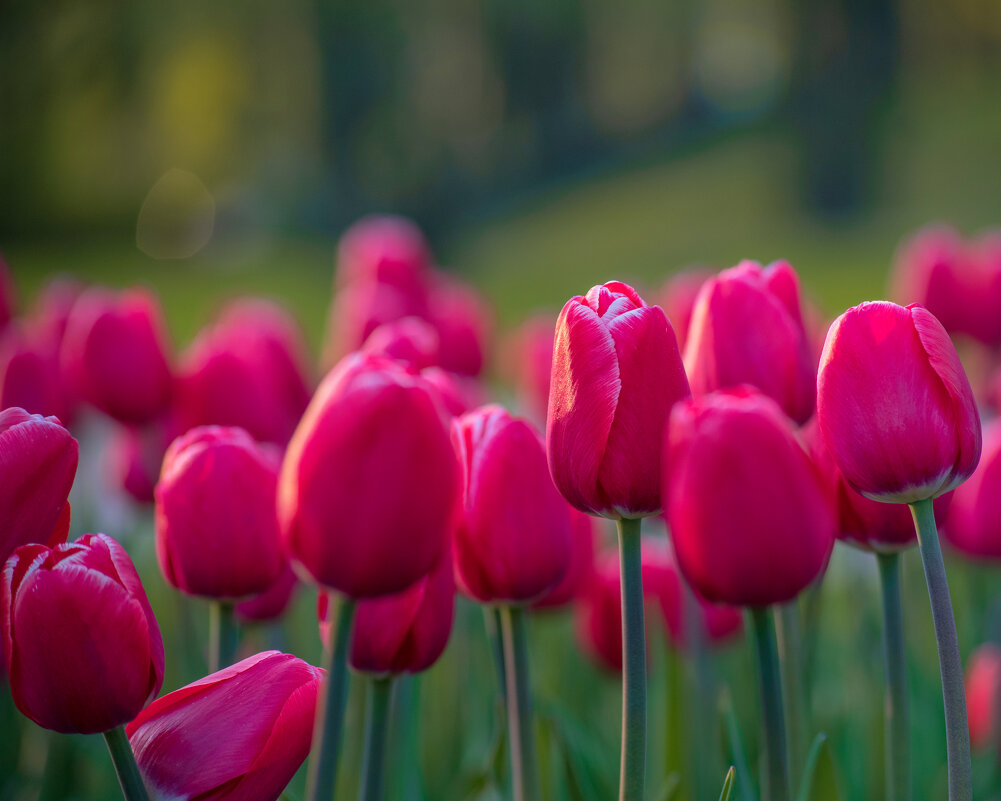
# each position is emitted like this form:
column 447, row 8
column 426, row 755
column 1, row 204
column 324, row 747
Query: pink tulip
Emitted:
column 582, row 548
column 83, row 647
column 983, row 682
column 216, row 524
column 751, row 520
column 370, row 483
column 974, row 523
column 30, row 376
column 513, row 541
column 677, row 298
column 463, row 321
column 237, row 735
column 135, row 455
column 272, row 603
column 386, row 250
column 747, row 328
column 528, row 363
column 616, row 373
column 7, row 295
column 410, row 340
column 459, row 393
column 894, row 404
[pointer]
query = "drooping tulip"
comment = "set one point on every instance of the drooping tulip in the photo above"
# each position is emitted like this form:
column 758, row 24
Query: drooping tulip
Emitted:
column 512, row 543
column 975, row 513
column 894, row 404
column 216, row 523
column 616, row 373
column 82, row 645
column 239, row 734
column 582, row 550
column 983, row 683
column 747, row 328
column 751, row 521
column 370, row 482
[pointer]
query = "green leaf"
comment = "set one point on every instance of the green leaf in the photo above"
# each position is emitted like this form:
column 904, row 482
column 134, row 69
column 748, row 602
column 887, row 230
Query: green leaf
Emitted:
column 724, row 794
column 738, row 754
column 819, row 775
column 669, row 788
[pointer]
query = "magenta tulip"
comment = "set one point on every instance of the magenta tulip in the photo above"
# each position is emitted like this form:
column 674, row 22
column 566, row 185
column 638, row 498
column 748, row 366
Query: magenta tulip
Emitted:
column 528, row 362
column 583, row 539
column 616, row 373
column 983, row 683
column 751, row 521
column 7, row 299
column 83, row 647
column 513, row 540
column 30, row 377
column 386, row 250
column 974, row 523
column 237, row 735
column 410, row 340
column 747, row 328
column 894, row 404
column 272, row 603
column 677, row 298
column 370, row 483
column 463, row 321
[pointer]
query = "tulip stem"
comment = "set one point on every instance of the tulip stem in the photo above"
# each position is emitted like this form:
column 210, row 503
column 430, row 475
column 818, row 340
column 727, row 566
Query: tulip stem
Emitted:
column 898, row 757
column 776, row 783
column 956, row 728
column 380, row 696
column 223, row 635
column 632, row 773
column 787, row 633
column 322, row 776
column 525, row 776
column 125, row 765
column 492, row 623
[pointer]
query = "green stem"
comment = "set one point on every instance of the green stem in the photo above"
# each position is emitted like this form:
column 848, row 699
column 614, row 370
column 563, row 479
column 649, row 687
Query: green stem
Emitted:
column 492, row 624
column 898, row 758
column 125, row 765
column 524, row 771
column 380, row 694
column 956, row 728
column 223, row 635
column 632, row 774
column 787, row 632
column 777, row 785
column 702, row 703
column 322, row 776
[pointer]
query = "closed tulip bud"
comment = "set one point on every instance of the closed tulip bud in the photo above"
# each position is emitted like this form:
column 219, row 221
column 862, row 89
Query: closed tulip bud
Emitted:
column 747, row 328
column 583, row 539
column 135, row 455
column 237, row 735
column 384, row 249
column 51, row 310
column 115, row 354
column 7, row 300
column 272, row 603
column 894, row 404
column 616, row 373
column 463, row 321
column 751, row 520
column 974, row 523
column 459, row 393
column 513, row 540
column 677, row 298
column 528, row 362
column 370, row 483
column 216, row 523
column 410, row 340
column 82, row 645
column 30, row 377
column 983, row 683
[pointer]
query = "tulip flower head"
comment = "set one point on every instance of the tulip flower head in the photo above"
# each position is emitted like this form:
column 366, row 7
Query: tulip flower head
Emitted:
column 983, row 683
column 975, row 513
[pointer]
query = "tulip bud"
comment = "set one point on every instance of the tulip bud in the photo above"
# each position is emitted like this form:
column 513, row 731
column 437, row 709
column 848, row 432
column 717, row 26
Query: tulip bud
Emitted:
column 747, row 328
column 239, row 734
column 528, row 363
column 462, row 319
column 975, row 513
column 677, row 298
column 30, row 377
column 370, row 483
column 216, row 524
column 581, row 566
column 513, row 541
column 410, row 340
column 458, row 393
column 894, row 404
column 272, row 603
column 751, row 521
column 115, row 353
column 135, row 455
column 983, row 682
column 616, row 373
column 384, row 249
column 83, row 647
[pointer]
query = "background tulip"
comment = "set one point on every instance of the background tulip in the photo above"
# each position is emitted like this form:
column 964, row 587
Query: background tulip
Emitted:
column 751, row 522
column 384, row 249
column 616, row 373
column 272, row 603
column 216, row 523
column 30, row 376
column 583, row 539
column 983, row 683
column 7, row 303
column 894, row 404
column 370, row 482
column 83, row 647
column 239, row 734
column 410, row 340
column 528, row 362
column 677, row 298
column 974, row 523
column 462, row 319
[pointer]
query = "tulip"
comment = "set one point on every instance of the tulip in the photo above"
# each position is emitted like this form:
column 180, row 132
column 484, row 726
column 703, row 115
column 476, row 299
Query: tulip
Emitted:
column 115, row 353
column 983, row 683
column 83, row 647
column 462, row 320
column 135, row 455
column 580, row 567
column 272, row 603
column 30, row 377
column 975, row 513
column 598, row 614
column 747, row 328
column 384, row 249
column 410, row 340
column 7, row 295
column 458, row 393
column 528, row 362
column 677, row 298
column 239, row 734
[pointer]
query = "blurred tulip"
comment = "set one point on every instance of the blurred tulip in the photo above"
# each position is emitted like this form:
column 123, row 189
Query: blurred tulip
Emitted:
column 528, row 362
column 616, row 373
column 272, row 603
column 135, row 455
column 463, row 321
column 51, row 310
column 894, row 404
column 459, row 393
column 983, row 682
column 239, row 734
column 83, row 647
column 370, row 483
column 513, row 541
column 7, row 297
column 410, row 340
column 751, row 521
column 747, row 328
column 216, row 524
column 580, row 567
column 677, row 298
column 115, row 354
column 30, row 376
column 975, row 513
column 384, row 249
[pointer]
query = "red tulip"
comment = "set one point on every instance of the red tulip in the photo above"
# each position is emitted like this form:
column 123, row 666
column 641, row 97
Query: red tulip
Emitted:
column 410, row 340
column 135, row 455
column 83, row 647
column 974, row 525
column 115, row 353
column 747, row 328
column 272, row 603
column 513, row 541
column 983, row 681
column 216, row 525
column 30, row 377
column 7, row 302
column 894, row 404
column 616, row 373
column 751, row 521
column 462, row 320
column 581, row 566
column 528, row 363
column 370, row 483
column 384, row 249
column 677, row 298
column 236, row 735
column 459, row 393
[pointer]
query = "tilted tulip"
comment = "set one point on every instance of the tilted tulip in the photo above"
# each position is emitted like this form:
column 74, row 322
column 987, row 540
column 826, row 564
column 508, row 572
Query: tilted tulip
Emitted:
column 83, row 647
column 237, row 735
column 747, row 328
column 974, row 522
column 582, row 550
column 983, row 684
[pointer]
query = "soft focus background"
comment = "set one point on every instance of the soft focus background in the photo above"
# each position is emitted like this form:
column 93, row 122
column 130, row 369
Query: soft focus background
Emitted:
column 215, row 149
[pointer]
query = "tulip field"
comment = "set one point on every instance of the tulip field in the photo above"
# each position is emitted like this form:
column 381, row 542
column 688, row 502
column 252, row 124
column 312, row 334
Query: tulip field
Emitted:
column 688, row 541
